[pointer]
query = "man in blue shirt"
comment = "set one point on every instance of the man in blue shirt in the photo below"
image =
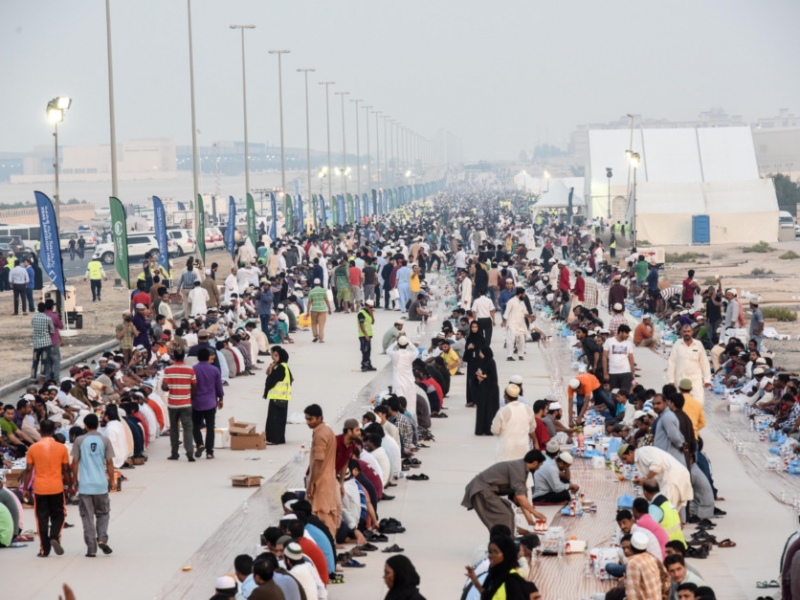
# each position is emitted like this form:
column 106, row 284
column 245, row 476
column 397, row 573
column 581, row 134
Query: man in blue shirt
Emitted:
column 93, row 469
column 31, row 283
column 265, row 298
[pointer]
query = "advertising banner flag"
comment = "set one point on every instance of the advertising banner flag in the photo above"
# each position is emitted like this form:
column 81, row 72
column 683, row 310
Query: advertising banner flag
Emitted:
column 273, row 226
column 160, row 228
column 340, row 209
column 350, row 208
column 288, row 215
column 50, row 247
column 251, row 220
column 200, row 229
column 119, row 229
column 357, row 207
column 230, row 236
column 323, row 215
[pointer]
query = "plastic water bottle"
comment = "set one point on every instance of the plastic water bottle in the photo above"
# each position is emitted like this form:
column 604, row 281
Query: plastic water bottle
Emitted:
column 245, row 508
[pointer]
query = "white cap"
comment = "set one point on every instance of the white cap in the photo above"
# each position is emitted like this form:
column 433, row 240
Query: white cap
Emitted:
column 402, row 341
column 554, row 406
column 139, row 305
column 574, row 383
column 638, row 414
column 370, row 303
column 226, row 582
column 647, row 316
column 617, row 306
column 639, row 541
column 588, row 269
column 565, row 457
column 516, row 379
column 316, row 280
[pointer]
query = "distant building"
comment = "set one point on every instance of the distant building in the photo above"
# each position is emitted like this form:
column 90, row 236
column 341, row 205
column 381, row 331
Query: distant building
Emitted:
column 777, row 142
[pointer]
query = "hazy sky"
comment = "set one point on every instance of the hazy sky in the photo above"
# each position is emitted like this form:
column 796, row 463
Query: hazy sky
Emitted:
column 502, row 75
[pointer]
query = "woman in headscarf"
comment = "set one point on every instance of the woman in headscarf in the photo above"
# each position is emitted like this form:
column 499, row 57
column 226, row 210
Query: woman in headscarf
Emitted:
column 474, row 342
column 486, row 393
column 502, row 580
column 401, row 578
column 278, row 390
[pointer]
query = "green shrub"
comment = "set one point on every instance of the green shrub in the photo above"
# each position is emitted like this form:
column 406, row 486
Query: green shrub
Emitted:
column 709, row 281
column 674, row 257
column 780, row 313
column 760, row 272
column 790, row 255
column 760, row 248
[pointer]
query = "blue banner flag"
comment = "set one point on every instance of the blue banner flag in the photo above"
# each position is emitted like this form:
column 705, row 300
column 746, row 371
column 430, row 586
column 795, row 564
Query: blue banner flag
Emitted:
column 322, row 211
column 181, row 206
column 341, row 209
column 230, row 237
column 160, row 227
column 273, row 227
column 50, row 248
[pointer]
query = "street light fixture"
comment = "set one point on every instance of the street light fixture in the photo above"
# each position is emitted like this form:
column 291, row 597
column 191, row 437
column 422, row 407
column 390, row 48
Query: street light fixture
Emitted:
column 358, row 154
column 344, row 144
column 366, row 108
column 287, row 225
column 634, row 159
column 327, row 85
column 55, row 114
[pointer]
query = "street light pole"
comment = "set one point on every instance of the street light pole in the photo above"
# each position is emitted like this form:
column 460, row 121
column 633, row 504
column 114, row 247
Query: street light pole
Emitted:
column 344, row 147
column 305, row 73
column 369, row 158
column 609, row 174
column 195, row 161
column 244, row 101
column 358, row 152
column 386, row 118
column 634, row 162
column 283, row 160
column 327, row 85
column 111, row 117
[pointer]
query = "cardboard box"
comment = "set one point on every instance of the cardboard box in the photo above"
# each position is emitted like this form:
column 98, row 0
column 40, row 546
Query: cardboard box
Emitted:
column 14, row 478
column 246, row 480
column 254, row 441
column 235, row 428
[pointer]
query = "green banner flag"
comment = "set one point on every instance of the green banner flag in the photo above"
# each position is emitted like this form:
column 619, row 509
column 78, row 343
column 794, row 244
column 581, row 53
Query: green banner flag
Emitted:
column 334, row 211
column 200, row 229
column 350, row 209
column 120, row 232
column 251, row 220
column 288, row 214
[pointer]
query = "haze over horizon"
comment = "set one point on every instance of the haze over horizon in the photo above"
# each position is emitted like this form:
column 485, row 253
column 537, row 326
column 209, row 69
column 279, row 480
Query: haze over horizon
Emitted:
column 503, row 78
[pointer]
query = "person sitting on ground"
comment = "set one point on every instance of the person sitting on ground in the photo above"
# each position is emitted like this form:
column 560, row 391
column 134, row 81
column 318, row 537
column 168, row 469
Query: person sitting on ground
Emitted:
column 551, row 483
column 676, row 567
column 643, row 519
column 644, row 333
column 391, row 335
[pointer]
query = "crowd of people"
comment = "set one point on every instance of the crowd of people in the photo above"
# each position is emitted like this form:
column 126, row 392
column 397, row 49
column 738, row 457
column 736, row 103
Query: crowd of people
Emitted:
column 491, row 266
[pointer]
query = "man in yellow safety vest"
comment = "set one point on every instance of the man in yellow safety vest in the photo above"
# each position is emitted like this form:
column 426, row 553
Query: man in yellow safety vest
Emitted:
column 96, row 276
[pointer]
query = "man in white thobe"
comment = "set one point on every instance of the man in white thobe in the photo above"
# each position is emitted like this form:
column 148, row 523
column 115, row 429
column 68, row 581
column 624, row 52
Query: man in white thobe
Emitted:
column 231, row 285
column 515, row 426
column 652, row 463
column 403, row 354
column 688, row 360
column 515, row 320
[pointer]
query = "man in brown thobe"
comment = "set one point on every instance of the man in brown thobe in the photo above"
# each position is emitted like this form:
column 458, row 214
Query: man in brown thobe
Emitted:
column 322, row 487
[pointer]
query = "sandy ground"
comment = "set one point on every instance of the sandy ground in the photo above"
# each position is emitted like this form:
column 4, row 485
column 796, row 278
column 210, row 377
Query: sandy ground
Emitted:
column 99, row 320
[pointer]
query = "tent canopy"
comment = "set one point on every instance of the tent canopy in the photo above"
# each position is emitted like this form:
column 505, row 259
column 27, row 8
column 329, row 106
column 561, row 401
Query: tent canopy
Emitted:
column 558, row 197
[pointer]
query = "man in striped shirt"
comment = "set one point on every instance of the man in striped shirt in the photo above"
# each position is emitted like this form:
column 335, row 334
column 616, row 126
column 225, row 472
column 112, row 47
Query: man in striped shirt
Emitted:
column 180, row 382
column 590, row 290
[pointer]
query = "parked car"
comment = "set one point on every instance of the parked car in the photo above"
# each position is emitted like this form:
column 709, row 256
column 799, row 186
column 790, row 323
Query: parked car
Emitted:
column 183, row 240
column 89, row 238
column 15, row 244
column 214, row 238
column 140, row 245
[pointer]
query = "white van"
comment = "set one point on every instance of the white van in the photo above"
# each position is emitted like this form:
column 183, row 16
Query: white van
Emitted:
column 786, row 219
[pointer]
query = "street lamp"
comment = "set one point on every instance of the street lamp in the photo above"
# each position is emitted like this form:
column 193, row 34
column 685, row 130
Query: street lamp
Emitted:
column 547, row 180
column 609, row 174
column 358, row 152
column 195, row 166
column 305, row 73
column 327, row 85
column 244, row 100
column 634, row 160
column 111, row 105
column 369, row 157
column 288, row 225
column 344, row 144
column 55, row 114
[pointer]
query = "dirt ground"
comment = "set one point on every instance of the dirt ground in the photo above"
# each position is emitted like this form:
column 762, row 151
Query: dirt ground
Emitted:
column 99, row 321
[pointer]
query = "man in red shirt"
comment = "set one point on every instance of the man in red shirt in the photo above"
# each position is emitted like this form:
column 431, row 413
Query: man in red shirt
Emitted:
column 580, row 286
column 140, row 296
column 291, row 525
column 542, row 434
column 345, row 446
column 563, row 277
column 355, row 278
column 180, row 383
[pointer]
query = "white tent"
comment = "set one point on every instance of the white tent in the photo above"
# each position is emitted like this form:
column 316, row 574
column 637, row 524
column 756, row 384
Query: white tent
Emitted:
column 558, row 197
column 684, row 173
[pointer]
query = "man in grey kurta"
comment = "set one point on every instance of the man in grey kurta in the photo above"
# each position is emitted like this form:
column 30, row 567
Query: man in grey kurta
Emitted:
column 484, row 493
column 668, row 436
column 702, row 504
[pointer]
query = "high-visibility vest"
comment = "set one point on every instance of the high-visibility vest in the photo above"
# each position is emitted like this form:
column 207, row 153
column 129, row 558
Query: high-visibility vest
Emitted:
column 671, row 521
column 12, row 261
column 95, row 269
column 282, row 390
column 368, row 320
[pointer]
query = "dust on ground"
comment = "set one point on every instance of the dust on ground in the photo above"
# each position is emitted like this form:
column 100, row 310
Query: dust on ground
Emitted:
column 99, row 320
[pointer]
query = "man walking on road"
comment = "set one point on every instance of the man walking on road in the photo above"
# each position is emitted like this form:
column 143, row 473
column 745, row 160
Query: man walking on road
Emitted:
column 96, row 276
column 93, row 469
column 483, row 308
column 515, row 320
column 180, row 382
column 366, row 319
column 18, row 278
column 206, row 401
column 322, row 489
column 688, row 360
column 319, row 307
column 51, row 461
column 43, row 329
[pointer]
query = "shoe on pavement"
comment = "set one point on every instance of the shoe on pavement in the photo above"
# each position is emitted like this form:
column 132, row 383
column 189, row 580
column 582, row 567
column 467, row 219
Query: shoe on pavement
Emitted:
column 56, row 545
column 198, row 452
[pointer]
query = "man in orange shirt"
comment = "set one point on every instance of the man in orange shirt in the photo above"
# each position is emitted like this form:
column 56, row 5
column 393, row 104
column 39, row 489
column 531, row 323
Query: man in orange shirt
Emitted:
column 51, row 461
column 643, row 334
column 584, row 386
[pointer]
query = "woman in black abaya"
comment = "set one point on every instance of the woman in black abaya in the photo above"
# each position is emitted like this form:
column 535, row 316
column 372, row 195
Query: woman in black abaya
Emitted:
column 474, row 342
column 486, row 393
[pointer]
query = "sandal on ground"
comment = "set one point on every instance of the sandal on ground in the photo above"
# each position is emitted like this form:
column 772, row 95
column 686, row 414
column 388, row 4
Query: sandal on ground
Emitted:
column 353, row 563
column 420, row 477
column 393, row 548
column 727, row 543
column 335, row 578
column 104, row 547
column 367, row 547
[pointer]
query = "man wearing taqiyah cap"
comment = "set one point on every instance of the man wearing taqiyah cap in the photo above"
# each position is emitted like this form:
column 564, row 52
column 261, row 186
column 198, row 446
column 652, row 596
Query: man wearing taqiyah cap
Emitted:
column 654, row 463
column 514, row 425
column 226, row 584
column 391, row 335
column 551, row 482
column 688, row 360
column 645, row 575
column 402, row 354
